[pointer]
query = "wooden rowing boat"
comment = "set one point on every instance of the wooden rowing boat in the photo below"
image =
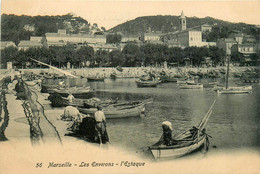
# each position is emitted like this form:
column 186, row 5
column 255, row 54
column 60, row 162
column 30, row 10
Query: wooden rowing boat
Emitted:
column 181, row 81
column 141, row 83
column 191, row 86
column 184, row 143
column 210, row 84
column 91, row 79
column 77, row 92
column 120, row 110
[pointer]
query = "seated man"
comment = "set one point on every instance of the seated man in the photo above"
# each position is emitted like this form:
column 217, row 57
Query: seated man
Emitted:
column 167, row 133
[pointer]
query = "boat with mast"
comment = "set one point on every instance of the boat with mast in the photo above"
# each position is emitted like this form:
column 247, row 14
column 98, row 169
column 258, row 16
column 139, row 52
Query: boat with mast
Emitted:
column 185, row 142
column 75, row 91
column 235, row 89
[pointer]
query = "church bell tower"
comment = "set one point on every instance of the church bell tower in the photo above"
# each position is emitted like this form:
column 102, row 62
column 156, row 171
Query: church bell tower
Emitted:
column 182, row 22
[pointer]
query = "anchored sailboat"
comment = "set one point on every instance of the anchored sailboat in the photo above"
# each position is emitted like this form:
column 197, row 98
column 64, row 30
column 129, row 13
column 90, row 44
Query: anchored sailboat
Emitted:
column 85, row 92
column 235, row 89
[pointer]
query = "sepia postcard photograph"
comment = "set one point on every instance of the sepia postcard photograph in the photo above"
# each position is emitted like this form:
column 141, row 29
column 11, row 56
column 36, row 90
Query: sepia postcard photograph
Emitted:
column 130, row 87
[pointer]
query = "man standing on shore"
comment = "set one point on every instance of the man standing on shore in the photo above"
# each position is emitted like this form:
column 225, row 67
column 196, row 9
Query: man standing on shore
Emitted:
column 100, row 124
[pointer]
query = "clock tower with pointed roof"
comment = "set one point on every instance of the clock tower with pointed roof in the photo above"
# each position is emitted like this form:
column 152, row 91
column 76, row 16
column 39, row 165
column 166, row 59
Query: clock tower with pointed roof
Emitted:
column 182, row 22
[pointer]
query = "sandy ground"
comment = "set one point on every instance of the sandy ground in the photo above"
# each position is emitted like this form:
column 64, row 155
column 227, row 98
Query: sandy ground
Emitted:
column 18, row 156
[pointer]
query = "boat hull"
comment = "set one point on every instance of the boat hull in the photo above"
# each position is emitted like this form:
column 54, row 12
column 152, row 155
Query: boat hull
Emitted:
column 236, row 90
column 197, row 86
column 172, row 152
column 141, row 84
column 77, row 93
column 112, row 113
column 233, row 91
column 95, row 79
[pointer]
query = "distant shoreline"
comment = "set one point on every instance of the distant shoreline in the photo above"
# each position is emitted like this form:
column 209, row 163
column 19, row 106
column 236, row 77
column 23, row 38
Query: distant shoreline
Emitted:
column 128, row 71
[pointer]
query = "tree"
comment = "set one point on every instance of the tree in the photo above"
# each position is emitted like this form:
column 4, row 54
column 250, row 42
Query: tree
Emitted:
column 8, row 54
column 114, row 38
column 103, row 29
column 216, row 54
column 131, row 54
column 116, row 58
column 101, row 58
column 235, row 55
column 176, row 54
column 84, row 54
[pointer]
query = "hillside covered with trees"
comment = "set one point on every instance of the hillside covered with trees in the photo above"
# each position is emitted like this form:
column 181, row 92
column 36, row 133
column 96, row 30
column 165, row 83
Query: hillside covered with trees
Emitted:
column 167, row 24
column 13, row 26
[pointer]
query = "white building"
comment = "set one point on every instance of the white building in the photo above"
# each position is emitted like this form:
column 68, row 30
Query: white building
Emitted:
column 62, row 38
column 26, row 44
column 5, row 44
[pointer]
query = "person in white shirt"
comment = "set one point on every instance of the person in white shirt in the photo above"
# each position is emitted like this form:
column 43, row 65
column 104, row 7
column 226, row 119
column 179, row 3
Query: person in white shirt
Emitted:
column 100, row 123
column 70, row 98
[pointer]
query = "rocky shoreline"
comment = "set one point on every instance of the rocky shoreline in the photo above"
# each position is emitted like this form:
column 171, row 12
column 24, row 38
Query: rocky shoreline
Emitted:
column 128, row 71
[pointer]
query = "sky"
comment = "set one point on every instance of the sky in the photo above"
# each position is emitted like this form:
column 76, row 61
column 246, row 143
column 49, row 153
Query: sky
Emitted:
column 111, row 13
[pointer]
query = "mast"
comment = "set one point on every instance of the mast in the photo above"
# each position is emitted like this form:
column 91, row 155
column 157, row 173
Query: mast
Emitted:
column 227, row 72
column 54, row 68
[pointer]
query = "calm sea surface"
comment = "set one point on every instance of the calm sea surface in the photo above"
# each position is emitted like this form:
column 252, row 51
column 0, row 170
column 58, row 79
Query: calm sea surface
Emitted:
column 234, row 123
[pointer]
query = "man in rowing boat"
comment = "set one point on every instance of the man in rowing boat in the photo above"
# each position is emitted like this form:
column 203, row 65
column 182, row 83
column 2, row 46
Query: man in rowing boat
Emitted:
column 167, row 133
column 100, row 123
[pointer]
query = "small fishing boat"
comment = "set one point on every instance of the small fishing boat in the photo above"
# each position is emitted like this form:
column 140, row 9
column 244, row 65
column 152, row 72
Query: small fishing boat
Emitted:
column 123, row 110
column 142, row 83
column 48, row 88
column 77, row 92
column 169, row 78
column 58, row 101
column 184, row 143
column 91, row 79
column 210, row 84
column 119, row 68
column 181, row 81
column 191, row 86
column 113, row 76
column 233, row 89
column 48, row 76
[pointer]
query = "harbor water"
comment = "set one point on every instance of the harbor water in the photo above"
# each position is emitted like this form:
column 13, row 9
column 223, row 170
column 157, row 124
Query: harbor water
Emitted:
column 234, row 123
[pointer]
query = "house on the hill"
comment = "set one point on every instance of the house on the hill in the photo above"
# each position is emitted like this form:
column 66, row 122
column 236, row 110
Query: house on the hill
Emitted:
column 151, row 36
column 249, row 39
column 186, row 37
column 104, row 47
column 226, row 44
column 126, row 39
column 203, row 28
column 28, row 27
column 26, row 44
column 61, row 38
column 5, row 44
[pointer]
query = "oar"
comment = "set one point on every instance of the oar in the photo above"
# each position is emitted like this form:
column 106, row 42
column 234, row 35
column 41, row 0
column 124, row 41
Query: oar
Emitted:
column 207, row 115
